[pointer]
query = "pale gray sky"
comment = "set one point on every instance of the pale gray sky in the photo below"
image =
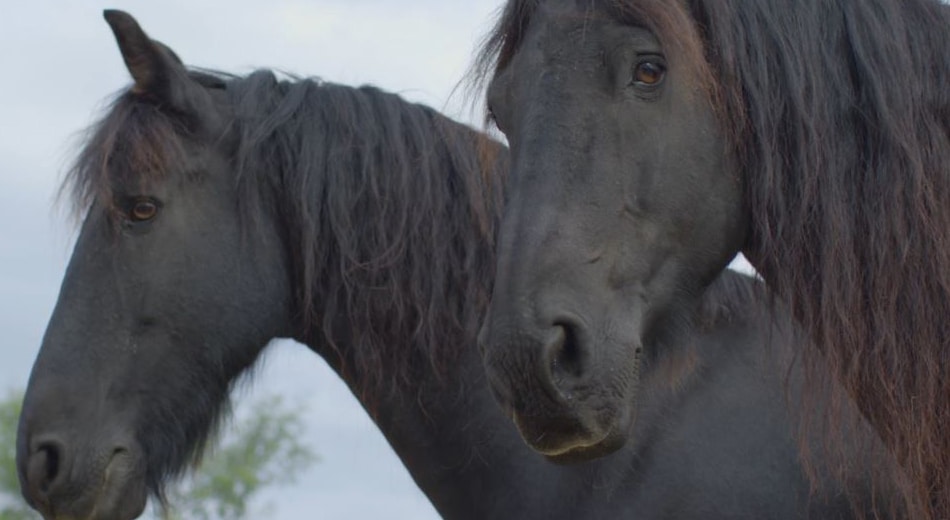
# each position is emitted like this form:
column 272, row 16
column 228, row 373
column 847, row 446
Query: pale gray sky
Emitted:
column 59, row 64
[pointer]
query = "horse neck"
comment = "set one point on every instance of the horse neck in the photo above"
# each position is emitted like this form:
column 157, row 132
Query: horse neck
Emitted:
column 459, row 448
column 469, row 460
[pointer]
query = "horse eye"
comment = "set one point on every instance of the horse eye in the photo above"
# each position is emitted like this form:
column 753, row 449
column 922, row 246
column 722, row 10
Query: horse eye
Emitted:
column 142, row 210
column 649, row 74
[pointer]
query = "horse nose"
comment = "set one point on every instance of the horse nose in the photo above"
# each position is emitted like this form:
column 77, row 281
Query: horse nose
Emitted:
column 518, row 358
column 45, row 471
column 104, row 482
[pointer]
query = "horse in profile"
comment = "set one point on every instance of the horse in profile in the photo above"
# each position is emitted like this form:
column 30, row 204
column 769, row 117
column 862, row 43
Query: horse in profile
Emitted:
column 224, row 211
column 653, row 140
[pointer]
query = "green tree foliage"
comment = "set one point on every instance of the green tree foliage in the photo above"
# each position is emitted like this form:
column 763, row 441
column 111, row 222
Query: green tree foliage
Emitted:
column 12, row 506
column 262, row 449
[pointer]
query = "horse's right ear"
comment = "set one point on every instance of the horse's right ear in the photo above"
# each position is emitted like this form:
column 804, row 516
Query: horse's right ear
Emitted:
column 157, row 71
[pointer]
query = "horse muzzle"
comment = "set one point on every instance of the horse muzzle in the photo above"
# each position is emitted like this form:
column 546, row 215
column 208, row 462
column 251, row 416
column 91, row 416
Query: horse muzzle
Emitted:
column 67, row 480
column 542, row 378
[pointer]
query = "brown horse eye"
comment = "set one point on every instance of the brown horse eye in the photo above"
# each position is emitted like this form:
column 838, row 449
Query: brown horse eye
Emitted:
column 143, row 210
column 649, row 73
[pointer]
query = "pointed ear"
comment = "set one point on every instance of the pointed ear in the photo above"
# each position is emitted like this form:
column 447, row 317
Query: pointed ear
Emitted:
column 156, row 70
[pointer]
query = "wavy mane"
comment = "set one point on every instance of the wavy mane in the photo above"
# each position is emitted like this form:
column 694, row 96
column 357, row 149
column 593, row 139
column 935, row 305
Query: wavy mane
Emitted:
column 839, row 115
column 388, row 209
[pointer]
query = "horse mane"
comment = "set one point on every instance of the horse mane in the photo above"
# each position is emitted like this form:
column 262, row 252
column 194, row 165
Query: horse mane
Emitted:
column 389, row 210
column 838, row 114
column 846, row 178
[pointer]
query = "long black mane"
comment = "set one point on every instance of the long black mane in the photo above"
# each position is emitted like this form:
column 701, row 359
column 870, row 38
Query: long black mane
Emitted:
column 390, row 211
column 839, row 115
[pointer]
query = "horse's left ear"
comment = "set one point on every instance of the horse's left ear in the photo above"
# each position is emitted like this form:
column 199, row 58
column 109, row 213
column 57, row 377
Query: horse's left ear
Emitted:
column 157, row 71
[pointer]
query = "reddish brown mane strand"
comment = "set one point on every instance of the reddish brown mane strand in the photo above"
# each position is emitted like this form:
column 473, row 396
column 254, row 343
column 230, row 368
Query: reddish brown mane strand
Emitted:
column 134, row 144
column 847, row 181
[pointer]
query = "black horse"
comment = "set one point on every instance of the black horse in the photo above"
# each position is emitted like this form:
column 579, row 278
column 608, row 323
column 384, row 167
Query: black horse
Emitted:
column 222, row 212
column 652, row 140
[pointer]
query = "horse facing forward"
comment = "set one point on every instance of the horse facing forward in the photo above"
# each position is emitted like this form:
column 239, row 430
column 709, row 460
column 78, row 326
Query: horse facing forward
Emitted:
column 652, row 140
column 222, row 212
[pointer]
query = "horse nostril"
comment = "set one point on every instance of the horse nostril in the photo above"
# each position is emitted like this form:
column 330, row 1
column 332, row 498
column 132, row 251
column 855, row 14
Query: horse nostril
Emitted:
column 44, row 467
column 566, row 358
column 569, row 357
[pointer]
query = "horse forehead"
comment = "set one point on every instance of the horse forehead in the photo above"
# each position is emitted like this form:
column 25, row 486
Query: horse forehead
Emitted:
column 567, row 31
column 576, row 8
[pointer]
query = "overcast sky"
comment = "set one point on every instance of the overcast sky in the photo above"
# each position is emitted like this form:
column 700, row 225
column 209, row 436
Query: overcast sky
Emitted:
column 60, row 64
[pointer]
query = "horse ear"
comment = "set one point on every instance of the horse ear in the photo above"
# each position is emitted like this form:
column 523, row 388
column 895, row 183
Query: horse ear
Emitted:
column 156, row 69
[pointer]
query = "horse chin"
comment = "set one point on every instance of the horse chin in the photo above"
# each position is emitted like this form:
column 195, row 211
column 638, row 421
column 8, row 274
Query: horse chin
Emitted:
column 123, row 494
column 569, row 440
column 581, row 454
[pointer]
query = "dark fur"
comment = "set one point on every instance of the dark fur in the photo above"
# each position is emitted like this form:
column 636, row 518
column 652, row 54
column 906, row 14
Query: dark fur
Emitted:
column 387, row 214
column 839, row 114
column 319, row 186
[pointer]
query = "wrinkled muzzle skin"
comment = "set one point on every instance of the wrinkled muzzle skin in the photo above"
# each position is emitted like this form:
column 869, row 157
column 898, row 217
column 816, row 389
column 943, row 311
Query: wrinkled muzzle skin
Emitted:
column 622, row 209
